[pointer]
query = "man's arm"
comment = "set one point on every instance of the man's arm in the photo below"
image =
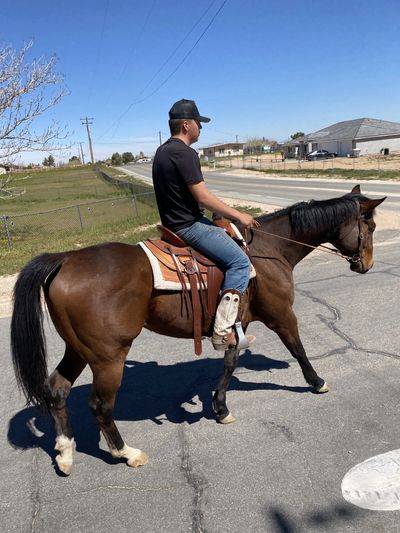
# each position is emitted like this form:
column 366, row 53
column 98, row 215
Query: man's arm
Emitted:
column 213, row 203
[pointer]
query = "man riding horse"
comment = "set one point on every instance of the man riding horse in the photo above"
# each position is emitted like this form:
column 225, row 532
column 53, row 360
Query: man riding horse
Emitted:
column 182, row 195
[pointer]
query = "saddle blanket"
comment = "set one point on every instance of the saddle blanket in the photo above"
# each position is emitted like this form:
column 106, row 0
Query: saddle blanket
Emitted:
column 166, row 278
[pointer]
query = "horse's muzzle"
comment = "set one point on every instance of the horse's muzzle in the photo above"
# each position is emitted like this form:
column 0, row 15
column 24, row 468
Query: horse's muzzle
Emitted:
column 360, row 267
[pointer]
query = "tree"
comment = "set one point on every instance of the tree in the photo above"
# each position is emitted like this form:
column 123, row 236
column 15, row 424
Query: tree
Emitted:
column 116, row 159
column 7, row 188
column 74, row 159
column 256, row 145
column 127, row 157
column 27, row 90
column 297, row 135
column 49, row 161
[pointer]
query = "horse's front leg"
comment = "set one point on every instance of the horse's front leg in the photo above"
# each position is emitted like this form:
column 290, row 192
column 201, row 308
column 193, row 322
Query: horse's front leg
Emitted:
column 222, row 414
column 289, row 335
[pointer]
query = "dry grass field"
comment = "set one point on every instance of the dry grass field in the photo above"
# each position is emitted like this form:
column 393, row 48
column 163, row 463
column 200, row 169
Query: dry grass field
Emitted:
column 367, row 167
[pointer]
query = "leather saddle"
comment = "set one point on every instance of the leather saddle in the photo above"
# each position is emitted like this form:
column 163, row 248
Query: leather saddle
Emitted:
column 199, row 277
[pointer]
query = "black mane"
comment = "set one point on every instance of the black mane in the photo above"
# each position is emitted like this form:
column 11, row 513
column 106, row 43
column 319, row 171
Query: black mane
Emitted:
column 318, row 215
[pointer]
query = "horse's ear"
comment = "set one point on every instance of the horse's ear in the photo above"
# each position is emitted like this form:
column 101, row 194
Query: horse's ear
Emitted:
column 369, row 205
column 356, row 188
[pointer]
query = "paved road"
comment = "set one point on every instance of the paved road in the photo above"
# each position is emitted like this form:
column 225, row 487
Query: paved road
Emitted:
column 278, row 469
column 284, row 191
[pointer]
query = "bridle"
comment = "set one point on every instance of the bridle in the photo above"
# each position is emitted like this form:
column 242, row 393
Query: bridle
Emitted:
column 355, row 257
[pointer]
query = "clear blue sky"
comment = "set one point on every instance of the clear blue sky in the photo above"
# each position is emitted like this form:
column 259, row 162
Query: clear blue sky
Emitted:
column 263, row 67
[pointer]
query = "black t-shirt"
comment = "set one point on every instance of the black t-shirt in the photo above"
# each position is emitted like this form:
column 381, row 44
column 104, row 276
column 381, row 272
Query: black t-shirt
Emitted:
column 176, row 166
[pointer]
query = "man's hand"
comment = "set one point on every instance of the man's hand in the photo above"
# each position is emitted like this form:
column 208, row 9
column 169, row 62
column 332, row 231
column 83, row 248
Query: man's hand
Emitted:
column 248, row 221
column 207, row 199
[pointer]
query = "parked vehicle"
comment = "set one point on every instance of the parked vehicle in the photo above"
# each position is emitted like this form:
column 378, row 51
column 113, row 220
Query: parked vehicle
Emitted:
column 320, row 154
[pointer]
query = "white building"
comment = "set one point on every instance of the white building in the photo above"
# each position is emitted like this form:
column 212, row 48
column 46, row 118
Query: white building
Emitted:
column 361, row 136
column 221, row 150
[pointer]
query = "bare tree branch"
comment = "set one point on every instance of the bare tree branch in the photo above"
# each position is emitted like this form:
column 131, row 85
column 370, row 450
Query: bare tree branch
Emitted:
column 27, row 90
column 6, row 190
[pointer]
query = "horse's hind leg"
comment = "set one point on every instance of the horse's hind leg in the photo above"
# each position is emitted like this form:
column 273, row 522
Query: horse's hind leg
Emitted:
column 221, row 411
column 58, row 387
column 107, row 378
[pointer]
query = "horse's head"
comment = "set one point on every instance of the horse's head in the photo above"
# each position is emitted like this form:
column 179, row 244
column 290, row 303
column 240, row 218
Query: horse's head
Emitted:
column 355, row 237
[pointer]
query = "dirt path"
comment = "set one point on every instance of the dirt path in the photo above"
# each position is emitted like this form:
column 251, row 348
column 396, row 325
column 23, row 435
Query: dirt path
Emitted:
column 6, row 287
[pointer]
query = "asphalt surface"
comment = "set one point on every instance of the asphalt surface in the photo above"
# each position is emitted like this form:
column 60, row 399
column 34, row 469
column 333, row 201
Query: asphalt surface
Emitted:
column 277, row 469
column 284, row 191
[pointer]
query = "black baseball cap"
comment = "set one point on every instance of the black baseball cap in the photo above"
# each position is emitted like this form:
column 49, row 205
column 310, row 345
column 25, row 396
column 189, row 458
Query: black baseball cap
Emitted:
column 186, row 109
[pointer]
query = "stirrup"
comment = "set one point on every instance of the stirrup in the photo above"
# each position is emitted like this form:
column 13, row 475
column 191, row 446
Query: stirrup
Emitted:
column 242, row 340
column 234, row 340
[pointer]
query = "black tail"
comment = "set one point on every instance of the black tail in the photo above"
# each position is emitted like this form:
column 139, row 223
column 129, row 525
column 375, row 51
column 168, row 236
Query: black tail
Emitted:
column 28, row 344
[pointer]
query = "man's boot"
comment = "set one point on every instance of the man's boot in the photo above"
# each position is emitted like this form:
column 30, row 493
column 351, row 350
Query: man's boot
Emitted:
column 224, row 337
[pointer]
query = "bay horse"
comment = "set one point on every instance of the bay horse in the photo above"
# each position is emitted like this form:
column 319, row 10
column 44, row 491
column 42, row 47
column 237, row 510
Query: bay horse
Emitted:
column 99, row 298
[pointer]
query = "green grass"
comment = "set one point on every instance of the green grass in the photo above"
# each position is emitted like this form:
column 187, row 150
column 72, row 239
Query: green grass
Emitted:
column 61, row 210
column 56, row 188
column 12, row 260
column 47, row 219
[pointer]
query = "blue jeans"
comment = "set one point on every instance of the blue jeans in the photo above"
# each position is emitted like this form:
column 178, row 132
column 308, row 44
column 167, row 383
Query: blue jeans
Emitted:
column 214, row 243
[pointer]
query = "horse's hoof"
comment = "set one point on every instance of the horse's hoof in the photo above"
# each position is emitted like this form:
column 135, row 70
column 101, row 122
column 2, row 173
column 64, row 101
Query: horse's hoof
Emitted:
column 138, row 460
column 64, row 466
column 228, row 419
column 324, row 388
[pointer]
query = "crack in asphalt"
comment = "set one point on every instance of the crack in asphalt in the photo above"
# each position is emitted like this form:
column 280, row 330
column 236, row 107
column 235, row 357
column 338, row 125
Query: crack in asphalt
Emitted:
column 196, row 482
column 394, row 274
column 35, row 495
column 330, row 323
column 113, row 487
column 351, row 275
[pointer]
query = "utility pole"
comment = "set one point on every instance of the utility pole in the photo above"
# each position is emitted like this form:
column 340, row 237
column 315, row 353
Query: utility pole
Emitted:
column 236, row 138
column 82, row 156
column 159, row 134
column 87, row 122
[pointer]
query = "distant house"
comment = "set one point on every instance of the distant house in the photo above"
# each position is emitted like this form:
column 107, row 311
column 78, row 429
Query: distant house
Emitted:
column 221, row 150
column 361, row 136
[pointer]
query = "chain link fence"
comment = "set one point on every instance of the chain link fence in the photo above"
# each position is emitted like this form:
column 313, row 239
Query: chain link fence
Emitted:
column 15, row 229
column 373, row 165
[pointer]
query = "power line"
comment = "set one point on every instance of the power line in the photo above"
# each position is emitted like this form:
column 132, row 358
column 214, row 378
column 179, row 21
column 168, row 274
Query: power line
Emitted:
column 133, row 50
column 182, row 61
column 98, row 49
column 173, row 72
column 116, row 123
column 177, row 48
column 227, row 133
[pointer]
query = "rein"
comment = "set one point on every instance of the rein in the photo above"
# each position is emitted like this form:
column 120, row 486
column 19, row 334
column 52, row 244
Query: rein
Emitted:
column 351, row 258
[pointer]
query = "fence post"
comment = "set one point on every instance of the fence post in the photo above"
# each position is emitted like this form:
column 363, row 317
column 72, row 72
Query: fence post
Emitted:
column 135, row 205
column 80, row 217
column 7, row 230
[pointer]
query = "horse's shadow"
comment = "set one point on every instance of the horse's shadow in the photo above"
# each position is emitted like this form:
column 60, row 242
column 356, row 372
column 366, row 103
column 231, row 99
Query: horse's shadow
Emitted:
column 149, row 391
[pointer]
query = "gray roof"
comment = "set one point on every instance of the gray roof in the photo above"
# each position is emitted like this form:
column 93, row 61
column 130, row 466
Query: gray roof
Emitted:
column 359, row 128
